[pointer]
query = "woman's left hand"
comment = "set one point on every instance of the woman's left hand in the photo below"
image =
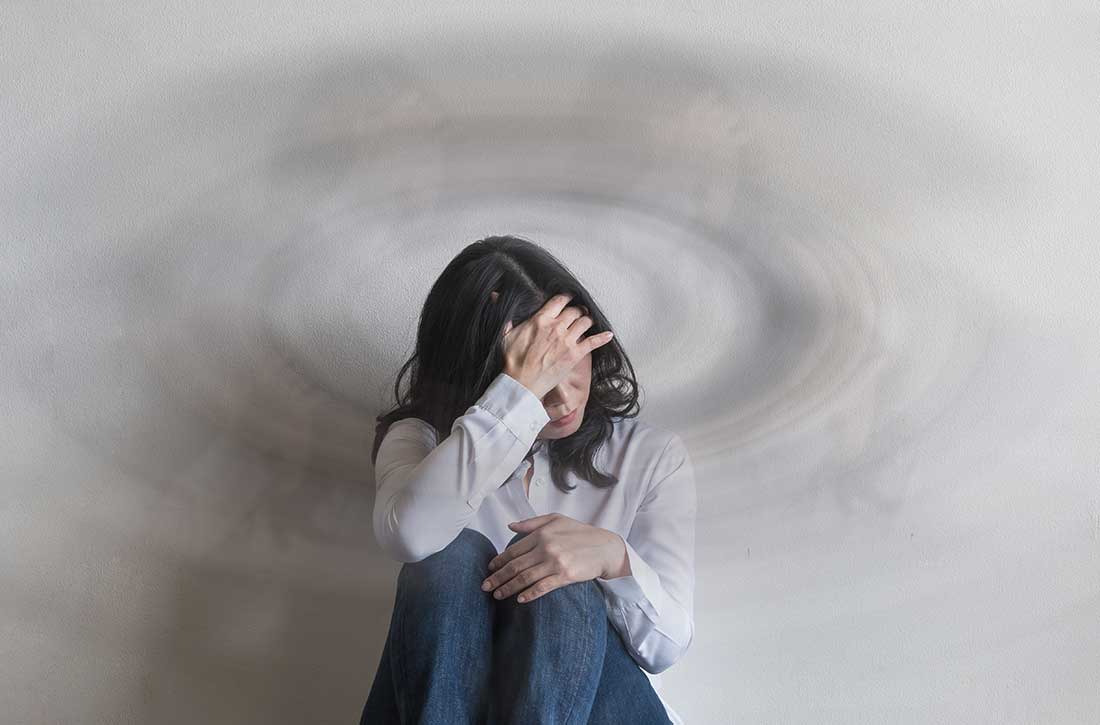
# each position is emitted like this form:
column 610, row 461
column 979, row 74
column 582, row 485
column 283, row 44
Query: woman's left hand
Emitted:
column 558, row 550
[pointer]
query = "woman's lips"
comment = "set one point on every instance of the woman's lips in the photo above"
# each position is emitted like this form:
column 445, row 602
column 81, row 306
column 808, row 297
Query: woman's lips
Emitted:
column 565, row 419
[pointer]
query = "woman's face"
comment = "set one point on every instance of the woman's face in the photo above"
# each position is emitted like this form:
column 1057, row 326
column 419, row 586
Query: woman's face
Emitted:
column 568, row 400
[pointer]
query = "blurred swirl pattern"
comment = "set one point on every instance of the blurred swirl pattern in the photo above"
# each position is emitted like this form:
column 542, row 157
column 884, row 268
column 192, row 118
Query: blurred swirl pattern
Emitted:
column 852, row 257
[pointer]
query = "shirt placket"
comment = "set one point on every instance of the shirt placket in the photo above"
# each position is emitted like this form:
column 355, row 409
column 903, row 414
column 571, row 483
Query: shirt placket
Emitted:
column 538, row 484
column 528, row 503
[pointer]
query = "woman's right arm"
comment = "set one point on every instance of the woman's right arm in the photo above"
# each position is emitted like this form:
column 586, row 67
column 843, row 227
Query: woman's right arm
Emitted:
column 427, row 493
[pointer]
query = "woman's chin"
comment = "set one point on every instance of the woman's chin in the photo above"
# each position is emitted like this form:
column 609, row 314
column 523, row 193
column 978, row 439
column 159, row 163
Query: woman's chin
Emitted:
column 554, row 432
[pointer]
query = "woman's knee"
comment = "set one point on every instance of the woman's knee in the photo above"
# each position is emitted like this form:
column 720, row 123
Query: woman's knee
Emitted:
column 472, row 542
column 442, row 592
column 470, row 551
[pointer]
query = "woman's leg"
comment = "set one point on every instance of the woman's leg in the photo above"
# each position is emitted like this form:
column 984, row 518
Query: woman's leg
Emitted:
column 625, row 693
column 381, row 707
column 559, row 659
column 547, row 656
column 436, row 660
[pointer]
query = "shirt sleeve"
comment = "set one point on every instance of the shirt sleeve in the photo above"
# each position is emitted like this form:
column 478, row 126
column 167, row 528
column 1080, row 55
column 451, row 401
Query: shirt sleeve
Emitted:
column 653, row 607
column 427, row 493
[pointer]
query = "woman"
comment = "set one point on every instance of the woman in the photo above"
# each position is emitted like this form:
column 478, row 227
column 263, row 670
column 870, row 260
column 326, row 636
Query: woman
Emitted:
column 547, row 533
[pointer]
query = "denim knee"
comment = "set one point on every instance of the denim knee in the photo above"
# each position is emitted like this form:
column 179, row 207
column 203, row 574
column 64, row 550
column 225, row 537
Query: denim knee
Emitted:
column 465, row 559
column 471, row 542
column 469, row 549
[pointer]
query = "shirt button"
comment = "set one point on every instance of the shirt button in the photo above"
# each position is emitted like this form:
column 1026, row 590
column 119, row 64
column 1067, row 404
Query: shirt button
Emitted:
column 538, row 481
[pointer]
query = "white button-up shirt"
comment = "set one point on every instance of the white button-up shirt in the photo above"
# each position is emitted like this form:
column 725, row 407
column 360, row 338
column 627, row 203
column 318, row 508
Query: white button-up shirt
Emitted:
column 428, row 491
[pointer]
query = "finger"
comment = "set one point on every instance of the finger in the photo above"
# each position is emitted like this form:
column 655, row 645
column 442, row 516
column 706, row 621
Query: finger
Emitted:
column 592, row 342
column 570, row 314
column 510, row 570
column 532, row 523
column 542, row 587
column 555, row 305
column 524, row 579
column 511, row 552
column 579, row 325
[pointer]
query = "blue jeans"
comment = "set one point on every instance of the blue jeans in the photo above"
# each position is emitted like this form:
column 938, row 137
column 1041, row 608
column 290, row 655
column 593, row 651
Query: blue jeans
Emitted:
column 454, row 654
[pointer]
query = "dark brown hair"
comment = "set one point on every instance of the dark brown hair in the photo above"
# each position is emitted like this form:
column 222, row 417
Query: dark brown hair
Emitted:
column 459, row 349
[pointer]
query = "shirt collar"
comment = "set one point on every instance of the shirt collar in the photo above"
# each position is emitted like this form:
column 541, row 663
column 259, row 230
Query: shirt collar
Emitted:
column 538, row 448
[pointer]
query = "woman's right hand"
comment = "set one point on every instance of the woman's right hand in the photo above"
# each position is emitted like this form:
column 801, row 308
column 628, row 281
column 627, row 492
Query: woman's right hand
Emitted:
column 540, row 351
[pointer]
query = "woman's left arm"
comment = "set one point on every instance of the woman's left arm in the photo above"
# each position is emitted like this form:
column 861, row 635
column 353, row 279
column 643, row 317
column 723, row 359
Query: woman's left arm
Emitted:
column 653, row 606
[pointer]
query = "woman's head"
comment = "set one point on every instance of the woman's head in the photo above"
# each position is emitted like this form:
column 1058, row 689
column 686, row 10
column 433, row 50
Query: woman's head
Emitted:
column 489, row 285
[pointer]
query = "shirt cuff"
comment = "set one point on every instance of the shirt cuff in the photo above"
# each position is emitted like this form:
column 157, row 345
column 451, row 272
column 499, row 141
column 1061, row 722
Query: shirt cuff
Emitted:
column 641, row 588
column 516, row 406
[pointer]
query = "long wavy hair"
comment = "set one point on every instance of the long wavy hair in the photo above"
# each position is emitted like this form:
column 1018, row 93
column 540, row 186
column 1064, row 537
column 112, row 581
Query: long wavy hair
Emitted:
column 459, row 349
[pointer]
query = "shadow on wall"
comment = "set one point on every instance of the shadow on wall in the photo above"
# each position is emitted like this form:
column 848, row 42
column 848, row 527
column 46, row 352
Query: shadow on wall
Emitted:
column 245, row 645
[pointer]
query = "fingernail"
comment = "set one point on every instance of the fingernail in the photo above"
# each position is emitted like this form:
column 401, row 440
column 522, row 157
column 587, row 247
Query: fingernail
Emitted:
column 522, row 598
column 485, row 586
column 498, row 594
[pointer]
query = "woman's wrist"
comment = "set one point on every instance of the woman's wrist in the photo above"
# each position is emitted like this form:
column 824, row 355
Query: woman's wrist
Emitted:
column 618, row 564
column 515, row 376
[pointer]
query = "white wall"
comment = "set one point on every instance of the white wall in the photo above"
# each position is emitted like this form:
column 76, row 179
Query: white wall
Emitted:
column 850, row 248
